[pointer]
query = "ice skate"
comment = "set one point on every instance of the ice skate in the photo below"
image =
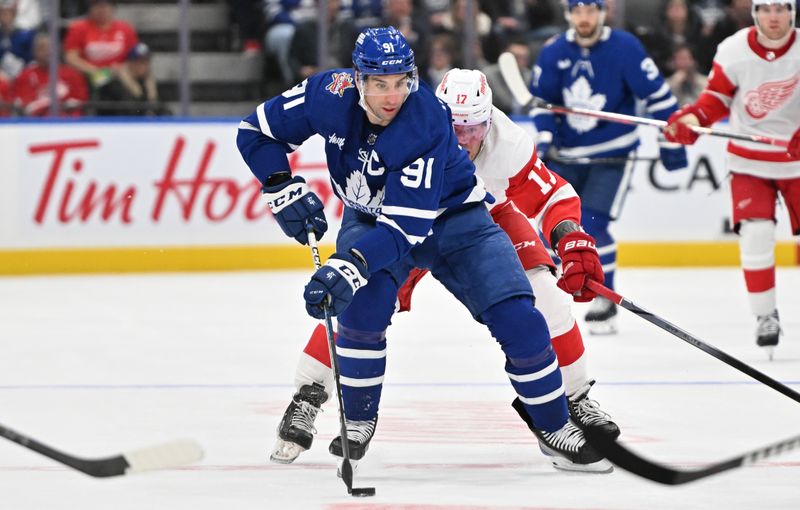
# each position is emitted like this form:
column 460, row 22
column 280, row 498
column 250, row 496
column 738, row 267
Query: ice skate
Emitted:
column 359, row 434
column 296, row 429
column 566, row 447
column 602, row 317
column 768, row 332
column 586, row 413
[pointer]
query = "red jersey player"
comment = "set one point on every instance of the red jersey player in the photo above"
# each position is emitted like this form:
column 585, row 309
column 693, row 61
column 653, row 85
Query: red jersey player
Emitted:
column 526, row 192
column 755, row 80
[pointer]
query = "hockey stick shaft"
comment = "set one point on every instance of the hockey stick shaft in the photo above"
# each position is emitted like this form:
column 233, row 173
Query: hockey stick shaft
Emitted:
column 511, row 75
column 347, row 468
column 162, row 456
column 600, row 161
column 691, row 339
column 638, row 465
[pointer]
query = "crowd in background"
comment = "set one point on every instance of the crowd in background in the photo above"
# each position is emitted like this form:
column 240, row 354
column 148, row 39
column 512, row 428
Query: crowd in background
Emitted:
column 106, row 68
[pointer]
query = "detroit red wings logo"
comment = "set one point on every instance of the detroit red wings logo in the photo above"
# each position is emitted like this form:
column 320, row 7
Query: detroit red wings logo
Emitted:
column 340, row 83
column 769, row 96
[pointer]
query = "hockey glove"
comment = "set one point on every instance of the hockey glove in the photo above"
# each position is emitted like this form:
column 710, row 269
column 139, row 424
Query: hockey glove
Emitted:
column 794, row 145
column 678, row 130
column 579, row 262
column 334, row 284
column 294, row 205
column 673, row 155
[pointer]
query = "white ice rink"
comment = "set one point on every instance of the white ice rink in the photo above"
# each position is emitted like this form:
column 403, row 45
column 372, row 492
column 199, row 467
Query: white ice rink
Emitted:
column 96, row 365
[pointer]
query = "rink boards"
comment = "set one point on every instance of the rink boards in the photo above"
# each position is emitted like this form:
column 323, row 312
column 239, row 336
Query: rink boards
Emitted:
column 92, row 196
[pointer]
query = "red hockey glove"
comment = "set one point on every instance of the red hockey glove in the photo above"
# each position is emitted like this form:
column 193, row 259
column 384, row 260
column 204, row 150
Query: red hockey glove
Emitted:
column 579, row 262
column 680, row 132
column 794, row 145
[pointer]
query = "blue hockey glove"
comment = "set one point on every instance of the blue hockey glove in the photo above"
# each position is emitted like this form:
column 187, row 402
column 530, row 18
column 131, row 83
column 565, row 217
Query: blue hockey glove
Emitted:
column 335, row 283
column 673, row 155
column 294, row 205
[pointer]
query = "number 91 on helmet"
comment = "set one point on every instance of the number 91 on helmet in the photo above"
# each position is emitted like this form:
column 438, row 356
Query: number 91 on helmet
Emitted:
column 381, row 52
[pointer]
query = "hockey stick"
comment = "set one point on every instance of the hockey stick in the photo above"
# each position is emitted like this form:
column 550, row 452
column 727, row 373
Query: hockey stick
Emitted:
column 163, row 456
column 599, row 161
column 511, row 75
column 691, row 339
column 638, row 465
column 347, row 467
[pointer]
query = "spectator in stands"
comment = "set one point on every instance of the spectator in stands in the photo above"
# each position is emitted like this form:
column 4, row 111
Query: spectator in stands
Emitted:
column 29, row 14
column 341, row 39
column 441, row 59
column 282, row 18
column 134, row 88
column 16, row 44
column 244, row 16
column 413, row 23
column 31, row 87
column 677, row 25
column 685, row 81
column 501, row 95
column 5, row 96
column 737, row 16
column 98, row 44
column 455, row 21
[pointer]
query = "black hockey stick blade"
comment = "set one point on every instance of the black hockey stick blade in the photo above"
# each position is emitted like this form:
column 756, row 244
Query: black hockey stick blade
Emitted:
column 634, row 463
column 692, row 340
column 162, row 456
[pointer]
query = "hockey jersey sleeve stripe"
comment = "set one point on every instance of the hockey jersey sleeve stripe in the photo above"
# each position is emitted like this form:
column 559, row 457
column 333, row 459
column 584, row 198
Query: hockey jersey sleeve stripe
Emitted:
column 411, row 239
column 725, row 100
column 617, row 143
column 408, row 211
column 544, row 398
column 246, row 125
column 261, row 113
column 779, row 156
column 535, row 376
column 360, row 353
column 361, row 383
column 663, row 105
column 663, row 91
column 559, row 198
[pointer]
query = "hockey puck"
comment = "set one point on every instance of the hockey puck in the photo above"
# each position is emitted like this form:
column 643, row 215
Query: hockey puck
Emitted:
column 363, row 492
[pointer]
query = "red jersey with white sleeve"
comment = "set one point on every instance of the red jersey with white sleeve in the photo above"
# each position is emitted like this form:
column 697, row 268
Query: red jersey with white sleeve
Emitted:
column 31, row 90
column 101, row 47
column 524, row 189
column 760, row 89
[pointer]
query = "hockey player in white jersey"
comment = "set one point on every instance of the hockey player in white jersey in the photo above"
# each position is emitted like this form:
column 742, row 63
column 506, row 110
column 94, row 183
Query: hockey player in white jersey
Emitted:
column 598, row 68
column 505, row 158
column 755, row 80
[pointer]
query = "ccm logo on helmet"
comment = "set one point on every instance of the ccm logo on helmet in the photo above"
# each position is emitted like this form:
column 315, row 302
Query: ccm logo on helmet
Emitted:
column 392, row 62
column 583, row 243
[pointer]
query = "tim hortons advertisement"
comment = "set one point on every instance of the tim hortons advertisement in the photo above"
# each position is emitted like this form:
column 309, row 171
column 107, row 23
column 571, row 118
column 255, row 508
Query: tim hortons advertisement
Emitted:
column 119, row 184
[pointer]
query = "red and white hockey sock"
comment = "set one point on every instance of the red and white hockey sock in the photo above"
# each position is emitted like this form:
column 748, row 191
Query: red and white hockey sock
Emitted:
column 314, row 365
column 570, row 352
column 757, row 250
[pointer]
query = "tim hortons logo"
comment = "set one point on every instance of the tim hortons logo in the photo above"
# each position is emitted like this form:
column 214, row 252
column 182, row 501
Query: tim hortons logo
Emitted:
column 75, row 191
column 340, row 83
column 769, row 96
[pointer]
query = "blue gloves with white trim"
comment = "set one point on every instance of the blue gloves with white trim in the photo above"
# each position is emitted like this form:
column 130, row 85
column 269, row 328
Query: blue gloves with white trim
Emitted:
column 334, row 284
column 673, row 155
column 294, row 205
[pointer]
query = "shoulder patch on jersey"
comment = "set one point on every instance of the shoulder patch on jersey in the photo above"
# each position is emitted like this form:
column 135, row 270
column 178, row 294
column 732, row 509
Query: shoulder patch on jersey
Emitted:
column 340, row 82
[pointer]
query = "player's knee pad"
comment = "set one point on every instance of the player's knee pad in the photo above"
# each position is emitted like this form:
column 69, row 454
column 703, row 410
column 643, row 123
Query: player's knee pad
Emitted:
column 554, row 303
column 521, row 331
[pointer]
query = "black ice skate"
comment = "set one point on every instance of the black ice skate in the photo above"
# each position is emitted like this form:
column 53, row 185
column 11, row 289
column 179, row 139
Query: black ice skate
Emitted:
column 586, row 413
column 296, row 429
column 768, row 332
column 359, row 434
column 566, row 447
column 602, row 317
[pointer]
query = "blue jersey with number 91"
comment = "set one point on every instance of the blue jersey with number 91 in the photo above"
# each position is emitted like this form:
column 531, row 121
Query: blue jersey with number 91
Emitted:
column 404, row 174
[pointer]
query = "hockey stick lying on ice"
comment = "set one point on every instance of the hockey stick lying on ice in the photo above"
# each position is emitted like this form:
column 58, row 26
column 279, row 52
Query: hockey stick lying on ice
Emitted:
column 511, row 75
column 347, row 467
column 638, row 465
column 163, row 456
column 691, row 339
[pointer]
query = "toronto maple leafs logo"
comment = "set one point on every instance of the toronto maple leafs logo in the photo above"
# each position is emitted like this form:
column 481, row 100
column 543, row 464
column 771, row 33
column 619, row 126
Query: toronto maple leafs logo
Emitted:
column 580, row 95
column 341, row 82
column 769, row 96
column 357, row 193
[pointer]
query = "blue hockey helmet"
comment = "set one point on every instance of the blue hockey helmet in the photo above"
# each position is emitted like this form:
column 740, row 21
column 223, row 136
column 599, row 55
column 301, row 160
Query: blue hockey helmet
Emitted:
column 571, row 4
column 383, row 51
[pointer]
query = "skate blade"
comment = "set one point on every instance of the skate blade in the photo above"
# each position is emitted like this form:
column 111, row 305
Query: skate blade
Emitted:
column 601, row 328
column 602, row 466
column 285, row 452
column 353, row 464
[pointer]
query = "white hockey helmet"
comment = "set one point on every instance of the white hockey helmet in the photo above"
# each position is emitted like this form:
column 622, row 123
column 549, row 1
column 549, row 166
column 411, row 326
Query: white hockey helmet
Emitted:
column 467, row 94
column 756, row 3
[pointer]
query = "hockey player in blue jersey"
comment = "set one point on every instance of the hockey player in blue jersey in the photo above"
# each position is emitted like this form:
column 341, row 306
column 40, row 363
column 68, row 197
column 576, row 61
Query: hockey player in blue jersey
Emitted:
column 411, row 199
column 594, row 67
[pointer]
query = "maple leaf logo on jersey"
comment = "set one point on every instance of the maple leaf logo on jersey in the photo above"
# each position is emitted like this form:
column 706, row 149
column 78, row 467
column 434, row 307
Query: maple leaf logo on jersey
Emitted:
column 769, row 96
column 340, row 83
column 357, row 194
column 581, row 95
